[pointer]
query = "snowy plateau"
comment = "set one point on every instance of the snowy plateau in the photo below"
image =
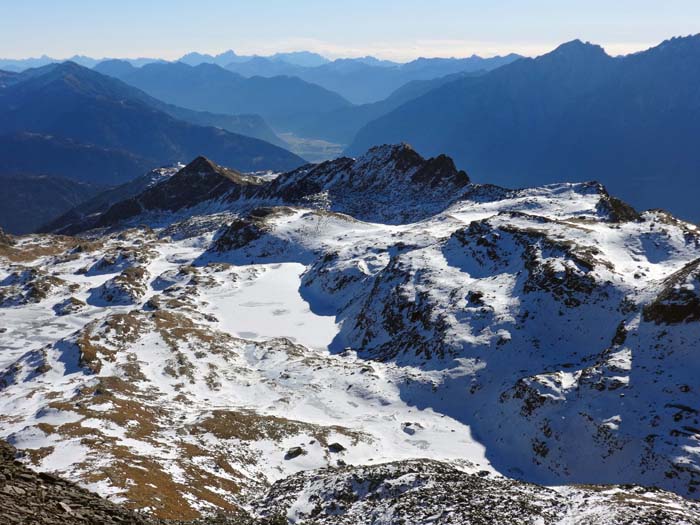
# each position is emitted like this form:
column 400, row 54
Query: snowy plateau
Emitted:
column 372, row 340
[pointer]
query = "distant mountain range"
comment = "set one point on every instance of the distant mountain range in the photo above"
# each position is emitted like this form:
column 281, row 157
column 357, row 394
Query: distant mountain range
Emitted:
column 287, row 102
column 626, row 121
column 360, row 80
column 367, row 80
column 208, row 87
column 298, row 58
column 20, row 64
column 70, row 101
column 630, row 122
column 341, row 125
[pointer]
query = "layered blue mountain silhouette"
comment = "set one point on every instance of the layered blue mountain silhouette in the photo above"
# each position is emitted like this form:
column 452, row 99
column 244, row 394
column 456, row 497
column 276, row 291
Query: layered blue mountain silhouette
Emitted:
column 572, row 114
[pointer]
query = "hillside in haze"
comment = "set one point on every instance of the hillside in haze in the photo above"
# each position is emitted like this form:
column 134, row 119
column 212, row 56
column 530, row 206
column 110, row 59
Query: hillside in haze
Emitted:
column 363, row 81
column 73, row 102
column 247, row 124
column 297, row 58
column 576, row 112
column 25, row 152
column 208, row 87
column 29, row 201
column 292, row 105
column 341, row 125
column 360, row 80
column 21, row 64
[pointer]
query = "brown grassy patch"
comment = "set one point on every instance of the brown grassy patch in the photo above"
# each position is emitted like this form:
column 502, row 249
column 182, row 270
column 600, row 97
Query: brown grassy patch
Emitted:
column 33, row 247
column 247, row 425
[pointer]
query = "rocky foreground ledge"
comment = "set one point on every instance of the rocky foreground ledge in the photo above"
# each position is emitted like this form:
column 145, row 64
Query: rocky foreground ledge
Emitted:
column 39, row 498
column 30, row 497
column 404, row 492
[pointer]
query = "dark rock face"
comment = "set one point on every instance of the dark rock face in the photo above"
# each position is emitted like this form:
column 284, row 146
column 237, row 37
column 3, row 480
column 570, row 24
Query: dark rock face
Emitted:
column 294, row 452
column 200, row 180
column 240, row 233
column 618, row 210
column 679, row 301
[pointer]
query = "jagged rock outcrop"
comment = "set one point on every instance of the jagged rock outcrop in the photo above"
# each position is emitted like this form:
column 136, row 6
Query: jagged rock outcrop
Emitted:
column 679, row 299
column 390, row 183
column 200, row 180
column 26, row 285
column 126, row 288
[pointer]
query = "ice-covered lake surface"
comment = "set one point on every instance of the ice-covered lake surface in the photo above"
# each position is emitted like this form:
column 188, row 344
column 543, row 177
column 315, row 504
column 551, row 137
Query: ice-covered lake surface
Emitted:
column 269, row 305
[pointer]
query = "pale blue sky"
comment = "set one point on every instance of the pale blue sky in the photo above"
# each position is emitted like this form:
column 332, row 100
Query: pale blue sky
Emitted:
column 392, row 29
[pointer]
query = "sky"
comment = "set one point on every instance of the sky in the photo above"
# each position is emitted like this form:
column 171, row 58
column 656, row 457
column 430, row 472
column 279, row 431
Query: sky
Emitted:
column 390, row 29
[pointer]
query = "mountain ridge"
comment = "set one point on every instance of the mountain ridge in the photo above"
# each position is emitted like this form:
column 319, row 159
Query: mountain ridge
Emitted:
column 627, row 118
column 342, row 185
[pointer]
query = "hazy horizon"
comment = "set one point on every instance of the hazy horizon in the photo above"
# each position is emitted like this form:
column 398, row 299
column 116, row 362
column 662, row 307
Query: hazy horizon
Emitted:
column 391, row 30
column 618, row 52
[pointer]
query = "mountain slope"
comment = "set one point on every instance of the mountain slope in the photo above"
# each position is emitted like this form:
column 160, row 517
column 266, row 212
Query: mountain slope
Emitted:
column 49, row 154
column 6, row 77
column 28, row 201
column 625, row 121
column 79, row 218
column 74, row 102
column 342, row 125
column 46, row 499
column 424, row 491
column 29, row 497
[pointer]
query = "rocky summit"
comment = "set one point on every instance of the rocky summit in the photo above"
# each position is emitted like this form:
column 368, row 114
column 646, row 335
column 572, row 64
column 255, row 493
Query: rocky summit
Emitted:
column 366, row 340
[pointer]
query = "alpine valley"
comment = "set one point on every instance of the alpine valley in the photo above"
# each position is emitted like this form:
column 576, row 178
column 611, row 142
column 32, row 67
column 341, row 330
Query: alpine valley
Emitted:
column 368, row 340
